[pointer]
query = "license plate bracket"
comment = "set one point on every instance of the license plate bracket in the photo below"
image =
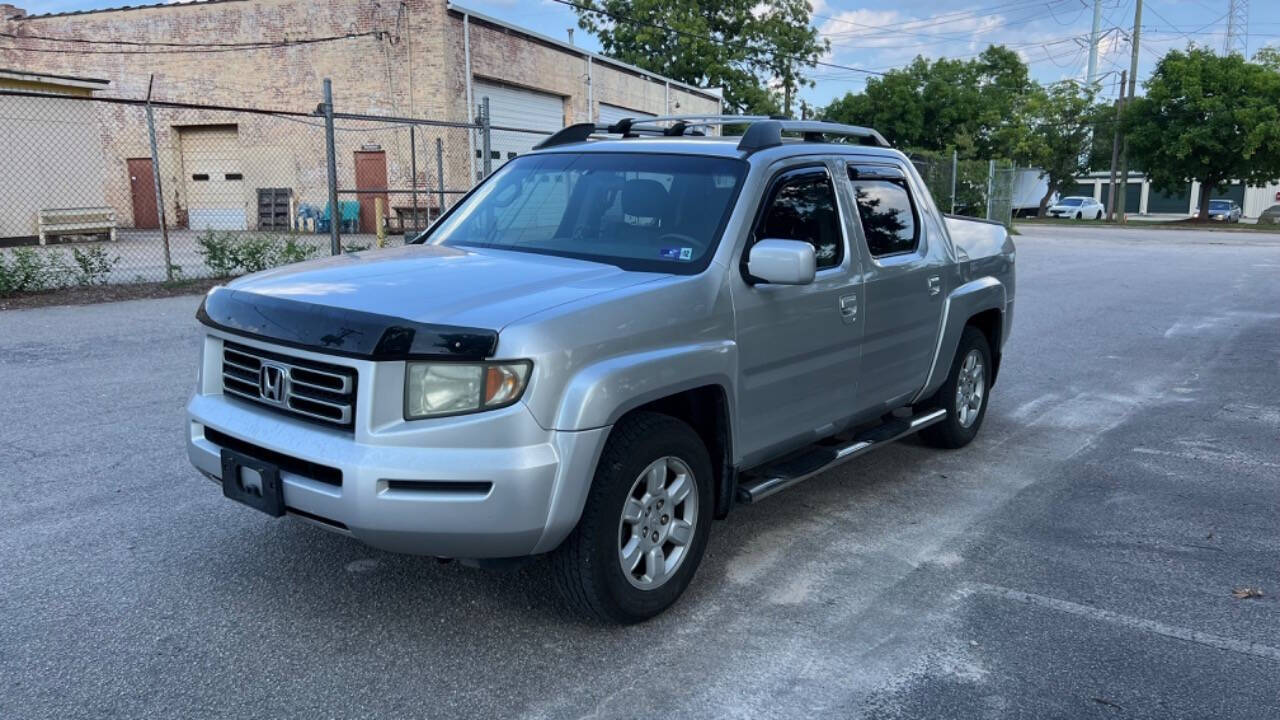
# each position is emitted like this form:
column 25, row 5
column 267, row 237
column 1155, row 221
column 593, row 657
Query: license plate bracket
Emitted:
column 254, row 482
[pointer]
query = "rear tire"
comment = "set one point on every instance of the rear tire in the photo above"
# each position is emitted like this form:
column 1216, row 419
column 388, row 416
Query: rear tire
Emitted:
column 963, row 395
column 645, row 523
column 1098, row 216
column 1079, row 216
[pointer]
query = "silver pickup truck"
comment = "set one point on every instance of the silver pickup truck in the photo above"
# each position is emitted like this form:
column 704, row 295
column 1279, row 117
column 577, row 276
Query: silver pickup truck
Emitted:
column 606, row 345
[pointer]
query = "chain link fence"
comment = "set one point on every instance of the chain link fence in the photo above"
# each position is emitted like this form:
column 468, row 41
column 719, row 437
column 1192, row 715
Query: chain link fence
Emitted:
column 109, row 190
column 974, row 188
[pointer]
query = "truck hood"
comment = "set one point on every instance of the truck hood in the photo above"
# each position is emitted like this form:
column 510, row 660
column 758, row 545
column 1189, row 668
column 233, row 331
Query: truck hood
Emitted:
column 446, row 286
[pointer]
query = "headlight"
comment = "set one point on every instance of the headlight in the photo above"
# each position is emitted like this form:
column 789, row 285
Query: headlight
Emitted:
column 432, row 389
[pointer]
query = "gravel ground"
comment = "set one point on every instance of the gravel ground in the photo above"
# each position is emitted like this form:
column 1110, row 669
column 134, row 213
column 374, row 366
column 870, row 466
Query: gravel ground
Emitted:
column 1078, row 560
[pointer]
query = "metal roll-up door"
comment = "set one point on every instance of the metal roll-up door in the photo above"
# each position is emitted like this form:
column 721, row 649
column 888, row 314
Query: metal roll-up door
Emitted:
column 1178, row 202
column 610, row 114
column 212, row 175
column 1234, row 191
column 1132, row 196
column 518, row 108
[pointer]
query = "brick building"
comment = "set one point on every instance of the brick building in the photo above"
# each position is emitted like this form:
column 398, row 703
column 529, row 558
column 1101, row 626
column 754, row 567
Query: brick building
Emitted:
column 414, row 58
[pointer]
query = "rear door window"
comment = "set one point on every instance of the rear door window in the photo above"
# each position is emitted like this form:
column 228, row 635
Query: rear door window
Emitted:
column 885, row 207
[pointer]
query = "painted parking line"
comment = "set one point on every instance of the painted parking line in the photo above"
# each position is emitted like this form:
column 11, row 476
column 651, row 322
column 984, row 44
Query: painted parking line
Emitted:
column 1141, row 624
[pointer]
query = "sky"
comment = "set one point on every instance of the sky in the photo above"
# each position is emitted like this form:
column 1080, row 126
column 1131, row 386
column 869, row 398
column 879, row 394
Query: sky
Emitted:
column 1050, row 35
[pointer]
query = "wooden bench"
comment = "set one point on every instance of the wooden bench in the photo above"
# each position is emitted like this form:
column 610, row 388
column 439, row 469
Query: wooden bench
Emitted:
column 402, row 218
column 76, row 221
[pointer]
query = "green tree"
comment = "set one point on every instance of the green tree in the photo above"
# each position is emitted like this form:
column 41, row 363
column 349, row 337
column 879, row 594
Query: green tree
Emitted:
column 935, row 105
column 1209, row 118
column 1056, row 129
column 1268, row 57
column 739, row 45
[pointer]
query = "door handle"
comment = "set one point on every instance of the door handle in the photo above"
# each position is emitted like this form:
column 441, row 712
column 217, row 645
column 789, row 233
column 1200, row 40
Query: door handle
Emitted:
column 849, row 307
column 935, row 284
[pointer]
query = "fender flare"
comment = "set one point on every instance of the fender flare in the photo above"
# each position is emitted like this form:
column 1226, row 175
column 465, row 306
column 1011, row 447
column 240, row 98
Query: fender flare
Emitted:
column 600, row 394
column 967, row 300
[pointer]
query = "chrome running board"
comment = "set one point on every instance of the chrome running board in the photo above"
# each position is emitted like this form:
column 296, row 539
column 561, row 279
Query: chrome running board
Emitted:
column 755, row 485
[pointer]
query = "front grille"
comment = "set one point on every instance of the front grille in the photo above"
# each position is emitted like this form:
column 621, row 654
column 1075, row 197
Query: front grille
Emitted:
column 319, row 392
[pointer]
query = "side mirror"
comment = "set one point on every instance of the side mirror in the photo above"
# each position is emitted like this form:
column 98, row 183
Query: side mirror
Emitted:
column 782, row 262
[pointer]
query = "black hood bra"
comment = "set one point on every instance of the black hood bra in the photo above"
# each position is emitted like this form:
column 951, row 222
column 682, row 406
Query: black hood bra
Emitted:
column 338, row 331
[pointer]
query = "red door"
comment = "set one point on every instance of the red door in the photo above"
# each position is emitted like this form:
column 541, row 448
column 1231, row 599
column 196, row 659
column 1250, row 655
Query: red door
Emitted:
column 371, row 174
column 142, row 189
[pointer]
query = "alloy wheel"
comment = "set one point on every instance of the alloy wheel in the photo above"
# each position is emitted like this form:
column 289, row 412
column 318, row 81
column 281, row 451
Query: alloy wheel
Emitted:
column 970, row 388
column 657, row 523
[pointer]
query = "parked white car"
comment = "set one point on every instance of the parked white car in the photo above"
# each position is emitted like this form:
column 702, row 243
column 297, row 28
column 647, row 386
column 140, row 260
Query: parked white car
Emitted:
column 1077, row 207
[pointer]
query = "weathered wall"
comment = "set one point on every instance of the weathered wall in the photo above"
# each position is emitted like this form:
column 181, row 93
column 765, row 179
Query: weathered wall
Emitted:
column 397, row 59
column 500, row 54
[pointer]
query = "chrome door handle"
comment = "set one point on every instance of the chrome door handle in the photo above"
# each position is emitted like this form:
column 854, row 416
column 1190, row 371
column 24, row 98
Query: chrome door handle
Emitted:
column 935, row 284
column 849, row 307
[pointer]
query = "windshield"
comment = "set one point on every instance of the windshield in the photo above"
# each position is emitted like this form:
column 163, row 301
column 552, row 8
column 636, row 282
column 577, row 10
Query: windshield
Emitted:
column 1220, row 205
column 1071, row 201
column 660, row 213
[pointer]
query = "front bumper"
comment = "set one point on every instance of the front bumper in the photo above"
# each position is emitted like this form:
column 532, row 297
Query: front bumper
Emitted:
column 534, row 480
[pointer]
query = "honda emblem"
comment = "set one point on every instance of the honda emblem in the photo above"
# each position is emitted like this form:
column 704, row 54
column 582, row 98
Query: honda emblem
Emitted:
column 271, row 381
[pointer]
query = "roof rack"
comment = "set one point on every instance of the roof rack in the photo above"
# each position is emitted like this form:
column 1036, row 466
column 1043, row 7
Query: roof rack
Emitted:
column 763, row 132
column 768, row 133
column 645, row 125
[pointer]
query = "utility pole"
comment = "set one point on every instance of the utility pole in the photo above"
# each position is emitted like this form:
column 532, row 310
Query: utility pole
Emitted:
column 1094, row 39
column 1115, row 150
column 1133, row 85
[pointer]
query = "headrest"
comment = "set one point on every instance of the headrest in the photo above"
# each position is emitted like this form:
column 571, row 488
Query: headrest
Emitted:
column 644, row 198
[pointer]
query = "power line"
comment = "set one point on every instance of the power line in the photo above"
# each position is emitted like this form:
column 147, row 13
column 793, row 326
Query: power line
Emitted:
column 911, row 25
column 1033, row 43
column 964, row 37
column 617, row 17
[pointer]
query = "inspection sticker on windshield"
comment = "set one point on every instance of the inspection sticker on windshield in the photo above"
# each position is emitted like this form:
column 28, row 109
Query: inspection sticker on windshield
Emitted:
column 676, row 253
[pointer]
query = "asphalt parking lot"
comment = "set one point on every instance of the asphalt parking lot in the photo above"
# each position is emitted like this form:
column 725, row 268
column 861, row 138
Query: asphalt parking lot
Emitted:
column 1076, row 561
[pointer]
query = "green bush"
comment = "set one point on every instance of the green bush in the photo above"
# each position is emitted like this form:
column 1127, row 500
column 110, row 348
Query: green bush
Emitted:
column 292, row 251
column 92, row 265
column 29, row 270
column 215, row 249
column 229, row 253
column 254, row 253
column 32, row 270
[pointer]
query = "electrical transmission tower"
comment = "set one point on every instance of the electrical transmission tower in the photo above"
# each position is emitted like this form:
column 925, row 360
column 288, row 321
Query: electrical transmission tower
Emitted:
column 1237, row 27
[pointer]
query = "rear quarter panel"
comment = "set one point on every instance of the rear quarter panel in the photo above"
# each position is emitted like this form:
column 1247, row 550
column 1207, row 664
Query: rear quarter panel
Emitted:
column 985, row 256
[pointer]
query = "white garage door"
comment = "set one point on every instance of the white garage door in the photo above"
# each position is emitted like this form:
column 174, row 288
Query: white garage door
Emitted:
column 610, row 114
column 213, row 178
column 518, row 108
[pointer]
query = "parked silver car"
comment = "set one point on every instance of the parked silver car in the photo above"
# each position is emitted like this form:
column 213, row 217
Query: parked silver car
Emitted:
column 1078, row 207
column 603, row 347
column 1222, row 211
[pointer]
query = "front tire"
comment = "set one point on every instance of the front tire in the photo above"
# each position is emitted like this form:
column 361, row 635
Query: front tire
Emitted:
column 645, row 523
column 964, row 394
